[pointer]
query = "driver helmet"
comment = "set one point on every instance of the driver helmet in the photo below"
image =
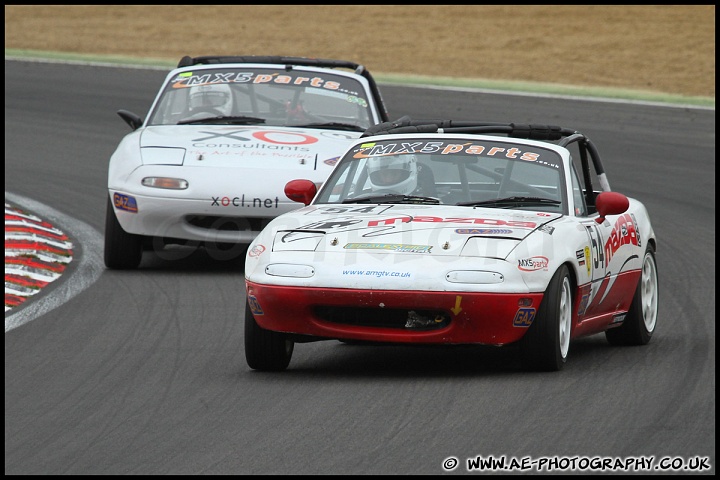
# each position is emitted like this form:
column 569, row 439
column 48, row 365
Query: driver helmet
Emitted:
column 394, row 173
column 212, row 97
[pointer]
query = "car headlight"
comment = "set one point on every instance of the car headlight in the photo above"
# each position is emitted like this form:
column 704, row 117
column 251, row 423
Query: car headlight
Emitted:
column 488, row 247
column 296, row 241
column 163, row 156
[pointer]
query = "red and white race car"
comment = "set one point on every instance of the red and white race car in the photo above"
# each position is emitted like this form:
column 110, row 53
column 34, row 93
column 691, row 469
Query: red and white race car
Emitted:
column 224, row 135
column 455, row 233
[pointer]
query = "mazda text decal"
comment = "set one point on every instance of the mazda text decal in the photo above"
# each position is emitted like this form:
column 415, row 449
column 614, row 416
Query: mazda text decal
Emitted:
column 625, row 232
column 477, row 221
column 388, row 225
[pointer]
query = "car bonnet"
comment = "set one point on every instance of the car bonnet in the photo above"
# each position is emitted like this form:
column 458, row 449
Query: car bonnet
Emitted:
column 244, row 146
column 437, row 230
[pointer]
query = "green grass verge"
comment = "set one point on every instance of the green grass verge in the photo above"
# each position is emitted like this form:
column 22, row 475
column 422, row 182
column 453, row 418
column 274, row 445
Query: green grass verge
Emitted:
column 418, row 80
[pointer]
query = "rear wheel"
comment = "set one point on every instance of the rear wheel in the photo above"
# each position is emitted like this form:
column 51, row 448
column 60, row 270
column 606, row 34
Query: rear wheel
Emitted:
column 264, row 349
column 641, row 319
column 123, row 250
column 546, row 344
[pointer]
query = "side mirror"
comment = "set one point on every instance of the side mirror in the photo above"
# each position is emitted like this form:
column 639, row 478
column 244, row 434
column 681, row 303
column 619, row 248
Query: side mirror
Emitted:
column 130, row 118
column 610, row 203
column 302, row 191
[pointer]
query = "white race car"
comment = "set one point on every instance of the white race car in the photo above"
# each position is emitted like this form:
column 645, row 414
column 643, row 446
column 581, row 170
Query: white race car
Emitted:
column 224, row 135
column 455, row 233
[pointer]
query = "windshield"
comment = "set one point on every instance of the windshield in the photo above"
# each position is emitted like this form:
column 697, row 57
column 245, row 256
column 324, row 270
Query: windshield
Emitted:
column 467, row 172
column 264, row 96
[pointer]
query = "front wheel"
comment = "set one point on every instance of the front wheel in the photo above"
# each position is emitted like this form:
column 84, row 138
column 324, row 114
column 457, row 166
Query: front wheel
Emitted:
column 123, row 251
column 546, row 344
column 264, row 349
column 641, row 319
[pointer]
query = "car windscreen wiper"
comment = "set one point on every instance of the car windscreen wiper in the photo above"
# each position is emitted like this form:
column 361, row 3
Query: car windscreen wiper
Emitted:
column 393, row 198
column 229, row 119
column 511, row 202
column 332, row 125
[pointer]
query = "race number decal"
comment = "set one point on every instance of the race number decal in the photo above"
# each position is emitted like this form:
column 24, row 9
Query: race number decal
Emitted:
column 255, row 305
column 125, row 202
column 524, row 317
column 597, row 262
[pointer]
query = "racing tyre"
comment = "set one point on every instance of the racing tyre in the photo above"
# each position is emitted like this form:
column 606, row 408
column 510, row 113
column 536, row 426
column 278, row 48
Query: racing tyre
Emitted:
column 123, row 251
column 545, row 345
column 641, row 319
column 265, row 350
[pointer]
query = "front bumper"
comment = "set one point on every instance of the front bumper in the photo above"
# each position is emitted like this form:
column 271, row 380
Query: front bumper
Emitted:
column 218, row 220
column 419, row 317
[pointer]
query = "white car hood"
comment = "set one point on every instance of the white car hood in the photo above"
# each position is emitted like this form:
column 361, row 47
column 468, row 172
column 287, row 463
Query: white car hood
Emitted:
column 405, row 229
column 245, row 146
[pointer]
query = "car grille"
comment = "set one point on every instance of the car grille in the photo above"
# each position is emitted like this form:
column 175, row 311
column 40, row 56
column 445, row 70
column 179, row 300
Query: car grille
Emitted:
column 396, row 318
column 231, row 224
